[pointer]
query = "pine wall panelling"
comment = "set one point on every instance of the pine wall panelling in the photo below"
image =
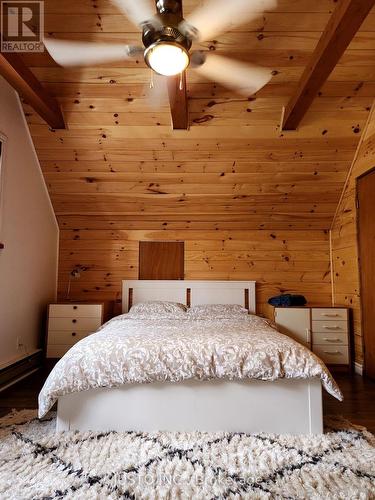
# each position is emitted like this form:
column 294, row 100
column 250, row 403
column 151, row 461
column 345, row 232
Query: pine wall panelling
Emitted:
column 345, row 256
column 293, row 261
column 250, row 201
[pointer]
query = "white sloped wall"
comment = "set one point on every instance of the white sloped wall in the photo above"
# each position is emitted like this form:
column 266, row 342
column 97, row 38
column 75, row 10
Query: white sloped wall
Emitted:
column 28, row 229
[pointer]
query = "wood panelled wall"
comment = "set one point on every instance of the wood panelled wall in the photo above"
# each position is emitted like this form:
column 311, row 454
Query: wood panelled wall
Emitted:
column 250, row 201
column 345, row 256
column 292, row 261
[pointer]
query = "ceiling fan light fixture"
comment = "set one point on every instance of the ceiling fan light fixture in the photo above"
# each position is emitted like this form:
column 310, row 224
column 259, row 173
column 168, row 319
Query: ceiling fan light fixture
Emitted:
column 167, row 58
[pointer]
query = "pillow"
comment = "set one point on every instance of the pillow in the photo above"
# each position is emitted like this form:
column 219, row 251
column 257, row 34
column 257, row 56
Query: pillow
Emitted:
column 217, row 311
column 157, row 309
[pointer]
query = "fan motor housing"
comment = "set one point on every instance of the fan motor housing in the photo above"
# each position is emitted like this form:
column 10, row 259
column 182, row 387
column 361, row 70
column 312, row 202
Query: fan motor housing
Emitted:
column 164, row 34
column 166, row 29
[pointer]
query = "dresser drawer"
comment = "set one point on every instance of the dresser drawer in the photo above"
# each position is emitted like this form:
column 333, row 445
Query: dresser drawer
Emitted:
column 329, row 326
column 329, row 314
column 334, row 355
column 330, row 338
column 75, row 310
column 74, row 323
column 65, row 337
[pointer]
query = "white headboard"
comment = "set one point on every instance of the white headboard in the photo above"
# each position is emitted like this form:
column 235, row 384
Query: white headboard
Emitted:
column 190, row 293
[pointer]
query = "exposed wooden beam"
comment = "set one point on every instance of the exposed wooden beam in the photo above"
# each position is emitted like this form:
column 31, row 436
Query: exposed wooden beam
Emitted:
column 340, row 30
column 18, row 75
column 178, row 101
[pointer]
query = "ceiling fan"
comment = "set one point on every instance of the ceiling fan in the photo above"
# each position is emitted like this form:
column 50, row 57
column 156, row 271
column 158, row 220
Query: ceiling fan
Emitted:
column 167, row 38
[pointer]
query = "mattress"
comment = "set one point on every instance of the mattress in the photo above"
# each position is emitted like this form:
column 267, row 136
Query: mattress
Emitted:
column 128, row 351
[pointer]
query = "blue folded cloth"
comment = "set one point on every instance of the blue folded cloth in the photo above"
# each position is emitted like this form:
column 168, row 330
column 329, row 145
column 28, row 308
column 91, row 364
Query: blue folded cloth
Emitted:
column 287, row 300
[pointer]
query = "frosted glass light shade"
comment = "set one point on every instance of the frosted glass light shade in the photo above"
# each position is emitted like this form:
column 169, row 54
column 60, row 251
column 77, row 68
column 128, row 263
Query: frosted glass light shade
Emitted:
column 167, row 58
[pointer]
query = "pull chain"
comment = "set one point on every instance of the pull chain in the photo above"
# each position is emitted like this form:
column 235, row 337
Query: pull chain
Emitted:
column 181, row 82
column 151, row 79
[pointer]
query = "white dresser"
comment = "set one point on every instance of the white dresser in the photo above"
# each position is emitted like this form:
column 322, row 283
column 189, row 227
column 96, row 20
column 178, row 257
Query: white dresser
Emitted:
column 69, row 323
column 323, row 330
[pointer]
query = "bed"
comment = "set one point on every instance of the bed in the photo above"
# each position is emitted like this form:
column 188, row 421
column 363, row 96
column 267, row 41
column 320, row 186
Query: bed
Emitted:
column 223, row 374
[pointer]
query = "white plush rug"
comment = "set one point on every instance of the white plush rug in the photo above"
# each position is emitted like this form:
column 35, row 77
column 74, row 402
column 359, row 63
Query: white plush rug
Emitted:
column 36, row 463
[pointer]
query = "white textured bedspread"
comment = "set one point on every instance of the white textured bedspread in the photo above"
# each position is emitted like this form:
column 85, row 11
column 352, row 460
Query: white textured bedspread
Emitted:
column 139, row 351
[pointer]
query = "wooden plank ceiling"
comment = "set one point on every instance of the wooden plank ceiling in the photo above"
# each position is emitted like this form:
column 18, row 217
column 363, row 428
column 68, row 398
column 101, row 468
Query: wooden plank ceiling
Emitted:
column 119, row 162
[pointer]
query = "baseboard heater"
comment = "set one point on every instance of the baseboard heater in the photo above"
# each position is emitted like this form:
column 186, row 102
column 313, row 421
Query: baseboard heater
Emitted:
column 20, row 369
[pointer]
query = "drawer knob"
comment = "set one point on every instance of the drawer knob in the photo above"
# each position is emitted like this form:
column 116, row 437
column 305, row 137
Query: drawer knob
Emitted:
column 332, row 352
column 328, row 315
column 74, row 334
column 74, row 321
column 334, row 327
column 75, row 307
column 331, row 340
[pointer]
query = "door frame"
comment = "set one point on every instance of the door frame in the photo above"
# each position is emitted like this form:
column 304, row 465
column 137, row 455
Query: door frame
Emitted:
column 3, row 140
column 358, row 229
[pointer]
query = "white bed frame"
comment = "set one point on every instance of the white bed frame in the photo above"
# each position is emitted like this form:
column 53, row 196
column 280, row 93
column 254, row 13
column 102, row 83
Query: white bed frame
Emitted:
column 283, row 406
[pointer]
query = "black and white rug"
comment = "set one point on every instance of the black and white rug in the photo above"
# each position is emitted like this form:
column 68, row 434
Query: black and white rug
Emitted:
column 37, row 463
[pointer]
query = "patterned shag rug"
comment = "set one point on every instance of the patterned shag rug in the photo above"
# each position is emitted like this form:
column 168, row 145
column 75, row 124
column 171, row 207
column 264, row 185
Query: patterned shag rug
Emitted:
column 37, row 463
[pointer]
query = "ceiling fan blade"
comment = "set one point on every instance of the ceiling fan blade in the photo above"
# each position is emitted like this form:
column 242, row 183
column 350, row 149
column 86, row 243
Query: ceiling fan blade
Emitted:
column 246, row 78
column 218, row 16
column 139, row 12
column 75, row 53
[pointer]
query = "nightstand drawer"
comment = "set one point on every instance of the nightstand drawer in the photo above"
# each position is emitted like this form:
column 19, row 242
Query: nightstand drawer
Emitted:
column 329, row 314
column 330, row 338
column 330, row 326
column 334, row 355
column 73, row 323
column 59, row 337
column 75, row 310
column 70, row 323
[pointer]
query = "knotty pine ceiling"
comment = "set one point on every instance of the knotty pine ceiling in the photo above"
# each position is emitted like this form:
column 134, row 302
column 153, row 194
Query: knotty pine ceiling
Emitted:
column 119, row 161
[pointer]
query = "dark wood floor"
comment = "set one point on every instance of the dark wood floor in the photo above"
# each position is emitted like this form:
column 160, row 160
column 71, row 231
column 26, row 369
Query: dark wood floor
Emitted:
column 358, row 405
column 359, row 400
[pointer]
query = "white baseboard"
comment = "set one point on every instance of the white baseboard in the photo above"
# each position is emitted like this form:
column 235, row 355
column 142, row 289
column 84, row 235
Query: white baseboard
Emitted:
column 358, row 368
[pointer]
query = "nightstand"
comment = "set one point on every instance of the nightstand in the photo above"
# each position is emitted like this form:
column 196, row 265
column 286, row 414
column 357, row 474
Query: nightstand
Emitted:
column 69, row 323
column 324, row 330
